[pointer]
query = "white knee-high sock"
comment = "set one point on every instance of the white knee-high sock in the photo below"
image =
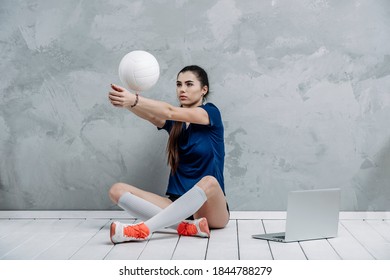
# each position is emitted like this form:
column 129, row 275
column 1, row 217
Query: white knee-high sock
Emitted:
column 138, row 207
column 179, row 210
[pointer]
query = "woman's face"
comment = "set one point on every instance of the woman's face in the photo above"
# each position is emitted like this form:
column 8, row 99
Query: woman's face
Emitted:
column 189, row 90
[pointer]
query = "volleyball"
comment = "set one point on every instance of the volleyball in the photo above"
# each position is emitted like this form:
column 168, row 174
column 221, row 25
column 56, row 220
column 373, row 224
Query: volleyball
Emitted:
column 139, row 71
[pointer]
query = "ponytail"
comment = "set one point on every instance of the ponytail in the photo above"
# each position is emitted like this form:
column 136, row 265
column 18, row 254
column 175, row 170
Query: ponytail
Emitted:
column 173, row 146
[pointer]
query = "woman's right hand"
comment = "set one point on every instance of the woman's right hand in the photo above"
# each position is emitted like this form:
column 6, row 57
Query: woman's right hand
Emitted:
column 121, row 97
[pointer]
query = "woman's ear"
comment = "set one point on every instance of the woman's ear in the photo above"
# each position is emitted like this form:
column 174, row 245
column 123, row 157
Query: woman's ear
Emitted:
column 205, row 90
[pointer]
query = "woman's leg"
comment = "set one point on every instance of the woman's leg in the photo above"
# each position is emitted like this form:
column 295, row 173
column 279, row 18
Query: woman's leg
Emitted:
column 138, row 203
column 215, row 208
column 205, row 199
column 183, row 207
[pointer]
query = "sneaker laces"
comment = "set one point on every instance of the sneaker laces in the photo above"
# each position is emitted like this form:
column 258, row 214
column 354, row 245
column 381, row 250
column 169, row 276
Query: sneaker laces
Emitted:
column 135, row 231
column 187, row 229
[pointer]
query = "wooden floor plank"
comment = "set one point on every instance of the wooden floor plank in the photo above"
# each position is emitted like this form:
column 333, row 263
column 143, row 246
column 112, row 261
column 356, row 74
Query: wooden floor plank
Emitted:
column 42, row 240
column 347, row 247
column 8, row 227
column 34, row 238
column 382, row 227
column 127, row 251
column 67, row 246
column 22, row 235
column 319, row 250
column 191, row 248
column 283, row 251
column 97, row 247
column 369, row 238
column 223, row 243
column 160, row 246
column 250, row 248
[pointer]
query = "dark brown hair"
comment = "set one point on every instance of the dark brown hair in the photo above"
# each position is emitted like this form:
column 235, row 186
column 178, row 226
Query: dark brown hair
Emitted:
column 173, row 141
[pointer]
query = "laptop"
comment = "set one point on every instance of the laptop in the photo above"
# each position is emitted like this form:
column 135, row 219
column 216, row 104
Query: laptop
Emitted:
column 311, row 214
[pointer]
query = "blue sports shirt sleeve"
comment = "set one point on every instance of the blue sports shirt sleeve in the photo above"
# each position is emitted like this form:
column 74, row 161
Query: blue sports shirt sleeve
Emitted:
column 214, row 114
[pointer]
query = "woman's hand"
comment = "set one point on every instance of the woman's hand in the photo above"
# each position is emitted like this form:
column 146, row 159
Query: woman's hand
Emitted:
column 120, row 97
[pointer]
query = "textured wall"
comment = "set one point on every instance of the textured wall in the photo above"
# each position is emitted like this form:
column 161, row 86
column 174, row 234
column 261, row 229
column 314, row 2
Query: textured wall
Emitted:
column 303, row 86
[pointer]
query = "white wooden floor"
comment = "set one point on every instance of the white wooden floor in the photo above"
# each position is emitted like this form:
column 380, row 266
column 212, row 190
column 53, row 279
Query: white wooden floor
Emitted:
column 54, row 235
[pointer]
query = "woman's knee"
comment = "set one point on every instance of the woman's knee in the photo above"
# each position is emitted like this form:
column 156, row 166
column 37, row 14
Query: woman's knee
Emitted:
column 116, row 191
column 209, row 184
column 215, row 209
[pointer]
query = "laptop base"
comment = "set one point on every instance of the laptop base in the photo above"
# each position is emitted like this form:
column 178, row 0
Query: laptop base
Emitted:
column 278, row 237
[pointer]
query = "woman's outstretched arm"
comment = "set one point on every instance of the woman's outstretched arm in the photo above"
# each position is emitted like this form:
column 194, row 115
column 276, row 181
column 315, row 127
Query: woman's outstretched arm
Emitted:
column 154, row 111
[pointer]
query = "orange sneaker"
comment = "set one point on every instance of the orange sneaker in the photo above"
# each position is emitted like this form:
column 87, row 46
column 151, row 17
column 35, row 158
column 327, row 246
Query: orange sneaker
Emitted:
column 123, row 233
column 197, row 227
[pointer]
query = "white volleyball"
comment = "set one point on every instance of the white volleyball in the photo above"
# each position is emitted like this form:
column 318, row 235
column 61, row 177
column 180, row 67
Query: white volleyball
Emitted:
column 139, row 71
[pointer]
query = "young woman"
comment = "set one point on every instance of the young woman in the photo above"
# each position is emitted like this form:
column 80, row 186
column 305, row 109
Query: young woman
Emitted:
column 195, row 154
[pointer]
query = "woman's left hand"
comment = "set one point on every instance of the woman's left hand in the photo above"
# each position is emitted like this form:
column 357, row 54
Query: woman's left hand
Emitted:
column 121, row 97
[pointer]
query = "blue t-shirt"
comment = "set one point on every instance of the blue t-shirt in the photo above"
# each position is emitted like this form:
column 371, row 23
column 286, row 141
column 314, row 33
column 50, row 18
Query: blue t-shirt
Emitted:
column 201, row 152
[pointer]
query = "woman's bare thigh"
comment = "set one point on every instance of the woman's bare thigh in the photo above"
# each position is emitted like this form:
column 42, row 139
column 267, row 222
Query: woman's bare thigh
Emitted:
column 215, row 208
column 118, row 189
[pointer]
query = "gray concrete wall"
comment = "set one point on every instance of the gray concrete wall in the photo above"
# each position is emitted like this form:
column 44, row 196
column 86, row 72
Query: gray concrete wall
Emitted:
column 303, row 86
